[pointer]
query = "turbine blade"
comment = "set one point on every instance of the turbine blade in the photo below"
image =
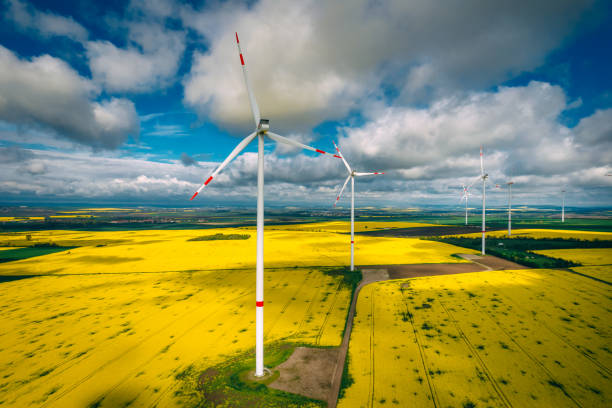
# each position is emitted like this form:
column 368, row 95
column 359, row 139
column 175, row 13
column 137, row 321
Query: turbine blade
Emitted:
column 252, row 101
column 367, row 174
column 342, row 189
column 286, row 140
column 228, row 159
column 343, row 159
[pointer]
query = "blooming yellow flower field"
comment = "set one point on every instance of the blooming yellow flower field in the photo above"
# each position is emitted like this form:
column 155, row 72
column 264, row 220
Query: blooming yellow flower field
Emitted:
column 345, row 227
column 121, row 339
column 502, row 338
column 603, row 272
column 584, row 256
column 160, row 251
column 547, row 233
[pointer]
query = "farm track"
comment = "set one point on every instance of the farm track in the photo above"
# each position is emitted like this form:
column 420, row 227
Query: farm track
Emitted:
column 432, row 388
column 372, row 348
column 500, row 393
column 329, row 312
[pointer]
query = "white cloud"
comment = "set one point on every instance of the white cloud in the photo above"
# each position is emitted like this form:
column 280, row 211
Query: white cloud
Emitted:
column 45, row 91
column 46, row 24
column 311, row 61
column 148, row 62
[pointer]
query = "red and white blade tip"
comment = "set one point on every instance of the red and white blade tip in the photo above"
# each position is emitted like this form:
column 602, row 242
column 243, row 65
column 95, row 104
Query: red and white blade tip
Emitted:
column 193, row 196
column 237, row 40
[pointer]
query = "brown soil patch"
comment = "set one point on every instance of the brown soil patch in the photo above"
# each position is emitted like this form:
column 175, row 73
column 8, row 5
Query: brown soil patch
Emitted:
column 308, row 372
column 418, row 270
column 497, row 264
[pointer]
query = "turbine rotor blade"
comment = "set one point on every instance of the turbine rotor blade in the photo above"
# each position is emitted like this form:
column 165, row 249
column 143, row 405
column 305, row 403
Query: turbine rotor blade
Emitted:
column 228, row 159
column 252, row 101
column 286, row 140
column 342, row 189
column 368, row 174
column 343, row 159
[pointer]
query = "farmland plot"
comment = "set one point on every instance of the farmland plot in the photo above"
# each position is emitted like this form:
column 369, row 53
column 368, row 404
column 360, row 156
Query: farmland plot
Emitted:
column 161, row 251
column 502, row 338
column 547, row 233
column 111, row 340
column 597, row 262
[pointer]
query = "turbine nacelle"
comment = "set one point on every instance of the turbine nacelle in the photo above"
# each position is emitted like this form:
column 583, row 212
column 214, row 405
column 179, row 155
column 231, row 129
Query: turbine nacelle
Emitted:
column 263, row 125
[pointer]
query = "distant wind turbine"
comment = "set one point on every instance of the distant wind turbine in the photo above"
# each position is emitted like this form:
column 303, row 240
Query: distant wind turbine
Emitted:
column 351, row 176
column 563, row 205
column 261, row 131
column 484, row 177
column 464, row 196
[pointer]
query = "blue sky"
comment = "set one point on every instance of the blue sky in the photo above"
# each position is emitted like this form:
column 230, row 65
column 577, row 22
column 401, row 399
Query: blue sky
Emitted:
column 137, row 102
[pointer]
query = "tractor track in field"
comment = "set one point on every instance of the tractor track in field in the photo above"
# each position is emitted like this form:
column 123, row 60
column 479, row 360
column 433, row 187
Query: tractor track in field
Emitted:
column 329, row 312
column 125, row 352
column 559, row 336
column 528, row 354
column 500, row 393
column 432, row 387
column 372, row 348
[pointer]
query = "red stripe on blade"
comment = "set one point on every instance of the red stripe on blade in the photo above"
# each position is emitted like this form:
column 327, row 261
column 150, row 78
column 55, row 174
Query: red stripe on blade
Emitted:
column 335, row 155
column 259, row 304
column 208, row 181
column 237, row 40
column 193, row 196
column 320, row 151
column 241, row 59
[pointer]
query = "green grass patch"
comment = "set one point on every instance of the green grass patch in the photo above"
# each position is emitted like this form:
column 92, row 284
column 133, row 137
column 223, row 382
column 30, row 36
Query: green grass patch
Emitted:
column 519, row 249
column 227, row 383
column 221, row 237
column 10, row 255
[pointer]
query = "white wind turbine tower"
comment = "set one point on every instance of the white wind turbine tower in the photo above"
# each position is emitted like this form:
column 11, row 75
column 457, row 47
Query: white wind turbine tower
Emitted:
column 351, row 176
column 261, row 131
column 563, row 205
column 509, row 184
column 466, row 194
column 484, row 177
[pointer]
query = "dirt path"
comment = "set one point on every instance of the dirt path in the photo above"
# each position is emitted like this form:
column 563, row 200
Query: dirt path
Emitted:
column 369, row 276
column 386, row 272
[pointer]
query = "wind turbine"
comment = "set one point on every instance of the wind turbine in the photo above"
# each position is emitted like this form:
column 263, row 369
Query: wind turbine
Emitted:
column 509, row 184
column 262, row 127
column 563, row 205
column 464, row 196
column 484, row 177
column 351, row 176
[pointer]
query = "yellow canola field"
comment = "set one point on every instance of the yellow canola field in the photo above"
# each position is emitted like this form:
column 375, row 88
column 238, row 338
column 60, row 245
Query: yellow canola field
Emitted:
column 493, row 339
column 547, row 233
column 584, row 256
column 7, row 248
column 121, row 340
column 345, row 227
column 603, row 272
column 159, row 251
column 73, row 216
column 17, row 219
